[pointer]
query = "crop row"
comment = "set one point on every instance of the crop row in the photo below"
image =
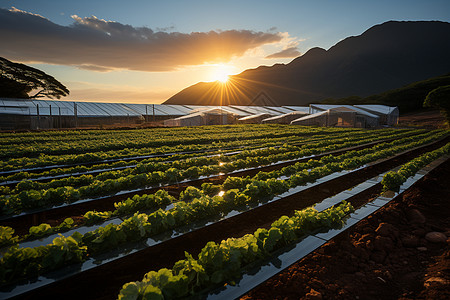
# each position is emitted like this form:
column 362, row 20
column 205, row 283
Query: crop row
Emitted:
column 109, row 155
column 157, row 138
column 132, row 162
column 163, row 157
column 142, row 225
column 203, row 160
column 132, row 135
column 146, row 202
column 393, row 179
column 101, row 156
column 220, row 262
column 19, row 263
column 26, row 198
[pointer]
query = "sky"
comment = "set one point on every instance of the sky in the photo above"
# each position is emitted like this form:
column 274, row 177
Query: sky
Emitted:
column 144, row 51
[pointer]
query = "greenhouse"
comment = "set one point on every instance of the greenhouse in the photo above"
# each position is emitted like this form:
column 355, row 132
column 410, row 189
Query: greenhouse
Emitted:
column 341, row 116
column 26, row 114
column 388, row 115
column 212, row 116
column 48, row 114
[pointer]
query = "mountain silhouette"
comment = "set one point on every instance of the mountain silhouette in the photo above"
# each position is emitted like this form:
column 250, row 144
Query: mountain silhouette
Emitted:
column 384, row 57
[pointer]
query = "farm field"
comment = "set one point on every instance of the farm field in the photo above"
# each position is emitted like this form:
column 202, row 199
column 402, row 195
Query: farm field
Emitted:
column 174, row 212
column 406, row 266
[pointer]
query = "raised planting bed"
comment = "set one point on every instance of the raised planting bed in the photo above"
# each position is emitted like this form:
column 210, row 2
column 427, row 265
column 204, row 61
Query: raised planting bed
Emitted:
column 165, row 254
column 55, row 215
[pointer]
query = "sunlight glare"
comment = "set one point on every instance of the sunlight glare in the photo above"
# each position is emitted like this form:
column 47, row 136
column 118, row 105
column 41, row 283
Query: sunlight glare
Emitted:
column 222, row 77
column 221, row 73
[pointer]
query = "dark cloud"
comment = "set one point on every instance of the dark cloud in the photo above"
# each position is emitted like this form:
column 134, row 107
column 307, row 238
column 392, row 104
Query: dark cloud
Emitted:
column 96, row 44
column 169, row 28
column 286, row 53
column 94, row 68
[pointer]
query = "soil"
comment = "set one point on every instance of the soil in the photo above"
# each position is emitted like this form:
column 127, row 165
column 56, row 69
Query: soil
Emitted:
column 425, row 118
column 389, row 255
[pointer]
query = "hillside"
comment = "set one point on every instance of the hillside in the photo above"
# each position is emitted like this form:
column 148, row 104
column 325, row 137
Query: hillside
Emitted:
column 407, row 98
column 384, row 57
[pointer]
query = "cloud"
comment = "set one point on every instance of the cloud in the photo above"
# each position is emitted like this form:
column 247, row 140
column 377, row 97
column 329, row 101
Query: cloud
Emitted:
column 289, row 45
column 96, row 44
column 94, row 68
column 169, row 28
column 16, row 10
column 286, row 53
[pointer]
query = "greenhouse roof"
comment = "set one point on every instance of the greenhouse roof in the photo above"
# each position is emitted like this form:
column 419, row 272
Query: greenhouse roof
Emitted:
column 298, row 108
column 284, row 115
column 310, row 116
column 280, row 109
column 326, row 107
column 257, row 110
column 383, row 109
column 253, row 116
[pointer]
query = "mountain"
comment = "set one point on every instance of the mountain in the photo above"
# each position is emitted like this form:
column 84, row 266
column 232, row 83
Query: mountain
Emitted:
column 384, row 57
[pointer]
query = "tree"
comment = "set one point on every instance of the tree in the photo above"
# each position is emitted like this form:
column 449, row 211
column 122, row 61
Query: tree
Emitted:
column 440, row 98
column 19, row 80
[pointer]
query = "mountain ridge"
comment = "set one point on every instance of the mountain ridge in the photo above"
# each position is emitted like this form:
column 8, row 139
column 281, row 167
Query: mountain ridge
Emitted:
column 385, row 56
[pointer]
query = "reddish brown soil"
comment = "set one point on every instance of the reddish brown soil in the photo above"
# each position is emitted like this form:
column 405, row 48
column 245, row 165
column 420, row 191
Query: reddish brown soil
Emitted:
column 427, row 118
column 385, row 256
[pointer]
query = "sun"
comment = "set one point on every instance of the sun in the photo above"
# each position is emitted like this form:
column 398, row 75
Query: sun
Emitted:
column 221, row 73
column 222, row 77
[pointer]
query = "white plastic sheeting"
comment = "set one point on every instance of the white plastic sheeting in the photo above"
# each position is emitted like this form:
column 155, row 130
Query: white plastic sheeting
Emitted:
column 373, row 113
column 87, row 109
column 216, row 115
column 340, row 116
column 228, row 109
column 388, row 114
column 15, row 107
column 65, row 108
column 253, row 119
column 159, row 109
column 285, row 118
column 298, row 108
column 254, row 110
column 281, row 109
column 323, row 107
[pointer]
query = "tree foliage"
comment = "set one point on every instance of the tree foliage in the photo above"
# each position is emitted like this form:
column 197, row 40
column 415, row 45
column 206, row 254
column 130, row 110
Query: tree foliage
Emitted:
column 440, row 98
column 19, row 80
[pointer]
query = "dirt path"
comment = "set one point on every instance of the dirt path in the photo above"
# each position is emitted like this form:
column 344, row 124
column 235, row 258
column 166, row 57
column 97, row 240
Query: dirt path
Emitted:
column 427, row 118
